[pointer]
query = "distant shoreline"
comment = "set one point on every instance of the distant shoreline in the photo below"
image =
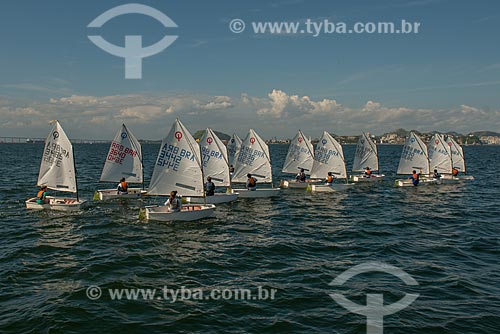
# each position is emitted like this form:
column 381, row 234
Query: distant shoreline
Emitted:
column 158, row 142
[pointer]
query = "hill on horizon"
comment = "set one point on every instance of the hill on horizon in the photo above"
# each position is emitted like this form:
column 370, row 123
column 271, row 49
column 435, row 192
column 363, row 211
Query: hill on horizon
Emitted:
column 222, row 136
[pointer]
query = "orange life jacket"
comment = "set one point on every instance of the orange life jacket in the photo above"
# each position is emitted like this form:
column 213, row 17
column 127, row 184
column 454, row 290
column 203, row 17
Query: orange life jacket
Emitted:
column 124, row 185
column 368, row 172
column 329, row 179
column 454, row 171
column 40, row 194
column 415, row 176
column 251, row 182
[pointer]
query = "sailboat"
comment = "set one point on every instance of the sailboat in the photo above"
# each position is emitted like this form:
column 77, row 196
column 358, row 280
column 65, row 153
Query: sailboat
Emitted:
column 440, row 158
column 328, row 157
column 366, row 156
column 233, row 149
column 215, row 165
column 178, row 167
column 57, row 172
column 414, row 157
column 300, row 156
column 254, row 159
column 124, row 160
column 458, row 158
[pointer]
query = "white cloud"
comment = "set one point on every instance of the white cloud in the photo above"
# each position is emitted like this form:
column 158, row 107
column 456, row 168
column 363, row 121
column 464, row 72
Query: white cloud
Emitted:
column 139, row 113
column 218, row 102
column 284, row 105
column 277, row 114
column 471, row 110
column 94, row 116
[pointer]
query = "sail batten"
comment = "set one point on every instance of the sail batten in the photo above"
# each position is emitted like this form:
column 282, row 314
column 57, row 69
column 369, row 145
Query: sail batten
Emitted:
column 124, row 158
column 300, row 155
column 328, row 157
column 178, row 165
column 253, row 158
column 57, row 169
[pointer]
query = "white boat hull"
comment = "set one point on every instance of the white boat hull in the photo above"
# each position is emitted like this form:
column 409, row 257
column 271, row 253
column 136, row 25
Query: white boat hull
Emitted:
column 187, row 213
column 218, row 198
column 56, row 203
column 293, row 184
column 409, row 183
column 449, row 179
column 324, row 188
column 258, row 193
column 363, row 179
column 108, row 194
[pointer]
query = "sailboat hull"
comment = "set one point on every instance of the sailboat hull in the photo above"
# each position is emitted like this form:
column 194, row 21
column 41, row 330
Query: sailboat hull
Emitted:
column 56, row 203
column 218, row 198
column 363, row 179
column 188, row 213
column 258, row 193
column 109, row 194
column 409, row 183
column 324, row 188
column 293, row 184
column 449, row 179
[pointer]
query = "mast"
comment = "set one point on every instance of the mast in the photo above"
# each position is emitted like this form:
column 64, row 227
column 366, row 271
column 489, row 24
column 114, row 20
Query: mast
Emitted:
column 343, row 159
column 426, row 152
column 445, row 144
column 76, row 178
column 200, row 163
column 132, row 143
column 373, row 145
column 461, row 151
column 345, row 167
column 203, row 173
column 142, row 168
column 451, row 158
column 308, row 146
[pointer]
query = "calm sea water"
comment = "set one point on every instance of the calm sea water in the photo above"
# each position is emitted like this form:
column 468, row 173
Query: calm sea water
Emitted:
column 446, row 238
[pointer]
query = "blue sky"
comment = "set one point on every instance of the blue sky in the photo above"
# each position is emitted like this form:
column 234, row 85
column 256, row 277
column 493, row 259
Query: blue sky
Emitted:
column 446, row 77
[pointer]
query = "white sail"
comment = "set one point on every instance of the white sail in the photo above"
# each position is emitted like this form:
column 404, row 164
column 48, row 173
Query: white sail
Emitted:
column 233, row 149
column 57, row 170
column 214, row 157
column 300, row 155
column 328, row 157
column 178, row 165
column 124, row 158
column 457, row 154
column 254, row 159
column 414, row 156
column 439, row 154
column 366, row 154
